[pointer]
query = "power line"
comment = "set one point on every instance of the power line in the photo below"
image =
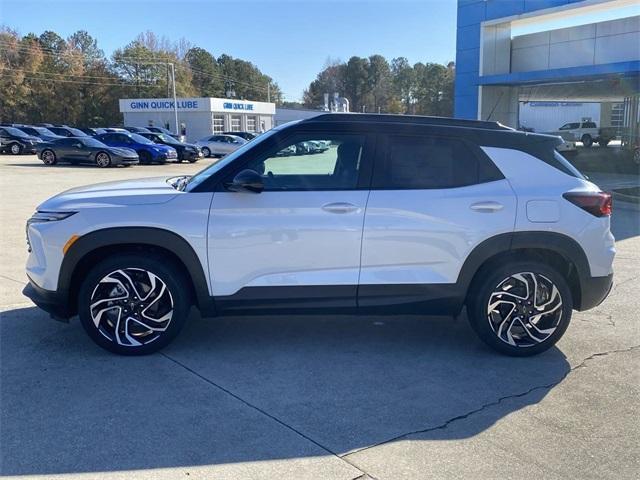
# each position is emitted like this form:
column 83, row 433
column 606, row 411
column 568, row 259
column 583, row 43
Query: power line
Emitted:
column 60, row 80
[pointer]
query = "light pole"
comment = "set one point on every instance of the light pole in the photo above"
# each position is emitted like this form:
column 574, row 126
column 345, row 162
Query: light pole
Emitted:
column 175, row 100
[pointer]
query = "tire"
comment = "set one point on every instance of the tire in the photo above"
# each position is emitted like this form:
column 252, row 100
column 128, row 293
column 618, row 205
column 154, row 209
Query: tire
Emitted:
column 145, row 157
column 586, row 140
column 49, row 157
column 193, row 160
column 15, row 149
column 206, row 152
column 603, row 142
column 529, row 332
column 121, row 277
column 103, row 160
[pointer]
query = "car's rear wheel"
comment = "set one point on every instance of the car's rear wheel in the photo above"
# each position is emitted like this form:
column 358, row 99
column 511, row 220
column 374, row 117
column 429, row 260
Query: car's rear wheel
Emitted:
column 586, row 140
column 521, row 308
column 206, row 152
column 15, row 149
column 133, row 304
column 103, row 160
column 49, row 157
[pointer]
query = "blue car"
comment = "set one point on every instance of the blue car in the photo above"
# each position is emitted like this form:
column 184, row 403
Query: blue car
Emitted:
column 148, row 151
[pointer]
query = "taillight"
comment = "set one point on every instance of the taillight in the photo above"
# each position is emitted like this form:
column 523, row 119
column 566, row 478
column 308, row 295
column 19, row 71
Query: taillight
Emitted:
column 598, row 204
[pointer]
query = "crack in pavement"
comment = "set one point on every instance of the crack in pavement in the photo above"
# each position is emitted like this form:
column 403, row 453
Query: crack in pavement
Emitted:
column 13, row 279
column 363, row 475
column 464, row 416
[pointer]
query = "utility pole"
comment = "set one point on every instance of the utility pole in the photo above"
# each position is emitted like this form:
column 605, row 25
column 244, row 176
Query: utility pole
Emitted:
column 175, row 100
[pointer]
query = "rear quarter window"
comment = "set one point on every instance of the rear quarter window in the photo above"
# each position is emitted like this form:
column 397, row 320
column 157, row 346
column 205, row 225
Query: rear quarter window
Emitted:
column 422, row 162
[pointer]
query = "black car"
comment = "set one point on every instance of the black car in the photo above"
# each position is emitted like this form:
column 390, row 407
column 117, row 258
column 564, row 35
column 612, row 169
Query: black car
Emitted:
column 68, row 132
column 85, row 150
column 186, row 151
column 246, row 135
column 41, row 132
column 92, row 131
column 137, row 129
column 163, row 130
column 16, row 141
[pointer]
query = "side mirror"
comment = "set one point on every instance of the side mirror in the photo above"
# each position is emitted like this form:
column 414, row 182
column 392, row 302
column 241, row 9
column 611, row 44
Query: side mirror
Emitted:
column 246, row 181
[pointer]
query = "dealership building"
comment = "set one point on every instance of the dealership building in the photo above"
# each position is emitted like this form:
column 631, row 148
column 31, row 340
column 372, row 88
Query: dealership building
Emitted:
column 199, row 117
column 547, row 53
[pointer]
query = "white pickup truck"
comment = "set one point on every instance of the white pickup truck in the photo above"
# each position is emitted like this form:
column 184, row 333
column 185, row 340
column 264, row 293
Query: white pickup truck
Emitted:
column 587, row 132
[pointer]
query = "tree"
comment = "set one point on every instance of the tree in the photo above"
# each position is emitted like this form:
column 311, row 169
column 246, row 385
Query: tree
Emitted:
column 207, row 80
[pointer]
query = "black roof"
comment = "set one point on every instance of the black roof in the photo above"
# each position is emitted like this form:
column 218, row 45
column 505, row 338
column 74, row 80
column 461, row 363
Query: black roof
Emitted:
column 407, row 119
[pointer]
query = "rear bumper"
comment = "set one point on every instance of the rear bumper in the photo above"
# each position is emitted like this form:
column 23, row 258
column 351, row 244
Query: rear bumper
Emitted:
column 48, row 300
column 594, row 291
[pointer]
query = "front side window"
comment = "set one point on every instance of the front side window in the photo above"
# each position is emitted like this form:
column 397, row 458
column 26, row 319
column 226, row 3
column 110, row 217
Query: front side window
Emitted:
column 306, row 162
column 413, row 162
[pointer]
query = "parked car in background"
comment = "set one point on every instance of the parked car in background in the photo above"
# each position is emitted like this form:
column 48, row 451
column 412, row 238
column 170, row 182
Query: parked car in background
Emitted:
column 165, row 131
column 220, row 144
column 16, row 141
column 41, row 132
column 85, row 150
column 246, row 135
column 148, row 151
column 587, row 132
column 136, row 129
column 93, row 131
column 186, row 151
column 68, row 131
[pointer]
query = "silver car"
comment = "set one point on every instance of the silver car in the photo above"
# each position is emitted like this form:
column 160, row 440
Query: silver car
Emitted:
column 220, row 144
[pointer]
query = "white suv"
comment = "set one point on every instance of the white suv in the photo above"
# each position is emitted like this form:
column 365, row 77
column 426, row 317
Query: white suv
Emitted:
column 399, row 214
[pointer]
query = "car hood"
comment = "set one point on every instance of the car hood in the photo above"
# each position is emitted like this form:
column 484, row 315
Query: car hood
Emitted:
column 125, row 152
column 144, row 191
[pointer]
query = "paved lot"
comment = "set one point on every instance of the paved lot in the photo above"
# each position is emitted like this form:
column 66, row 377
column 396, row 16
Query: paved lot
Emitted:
column 333, row 397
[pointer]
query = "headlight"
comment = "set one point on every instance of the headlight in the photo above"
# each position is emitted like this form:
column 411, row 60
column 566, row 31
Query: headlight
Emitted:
column 41, row 217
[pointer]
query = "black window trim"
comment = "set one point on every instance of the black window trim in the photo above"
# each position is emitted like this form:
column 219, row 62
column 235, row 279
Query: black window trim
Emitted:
column 364, row 173
column 382, row 152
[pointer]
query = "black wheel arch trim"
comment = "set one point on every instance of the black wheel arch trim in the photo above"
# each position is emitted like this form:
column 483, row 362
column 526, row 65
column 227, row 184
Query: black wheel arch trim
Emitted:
column 139, row 236
column 506, row 243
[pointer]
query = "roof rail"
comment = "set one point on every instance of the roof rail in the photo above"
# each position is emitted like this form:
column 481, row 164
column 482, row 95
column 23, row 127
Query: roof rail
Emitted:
column 416, row 119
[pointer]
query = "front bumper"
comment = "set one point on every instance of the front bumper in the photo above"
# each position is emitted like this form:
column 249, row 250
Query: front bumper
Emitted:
column 593, row 291
column 186, row 155
column 49, row 301
column 127, row 161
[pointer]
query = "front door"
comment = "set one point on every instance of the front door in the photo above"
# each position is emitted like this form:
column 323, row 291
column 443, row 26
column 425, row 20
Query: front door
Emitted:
column 298, row 242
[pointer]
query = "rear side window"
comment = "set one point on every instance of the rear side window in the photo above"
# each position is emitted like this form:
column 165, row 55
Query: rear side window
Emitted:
column 412, row 162
column 589, row 125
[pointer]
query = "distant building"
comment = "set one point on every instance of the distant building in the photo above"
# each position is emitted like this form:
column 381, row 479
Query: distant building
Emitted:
column 199, row 117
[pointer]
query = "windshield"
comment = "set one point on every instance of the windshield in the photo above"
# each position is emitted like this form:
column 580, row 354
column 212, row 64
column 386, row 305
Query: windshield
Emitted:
column 77, row 133
column 44, row 131
column 168, row 139
column 141, row 139
column 92, row 142
column 15, row 131
column 212, row 169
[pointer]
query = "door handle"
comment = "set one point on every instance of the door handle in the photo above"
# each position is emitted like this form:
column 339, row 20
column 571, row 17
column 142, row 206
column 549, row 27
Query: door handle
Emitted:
column 339, row 207
column 487, row 207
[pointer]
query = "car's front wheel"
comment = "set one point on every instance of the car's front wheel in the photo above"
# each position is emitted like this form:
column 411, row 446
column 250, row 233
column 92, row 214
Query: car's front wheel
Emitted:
column 49, row 157
column 206, row 152
column 103, row 160
column 586, row 140
column 132, row 304
column 521, row 308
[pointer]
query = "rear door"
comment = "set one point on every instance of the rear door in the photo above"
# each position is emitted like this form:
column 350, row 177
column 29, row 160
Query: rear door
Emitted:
column 298, row 242
column 432, row 201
